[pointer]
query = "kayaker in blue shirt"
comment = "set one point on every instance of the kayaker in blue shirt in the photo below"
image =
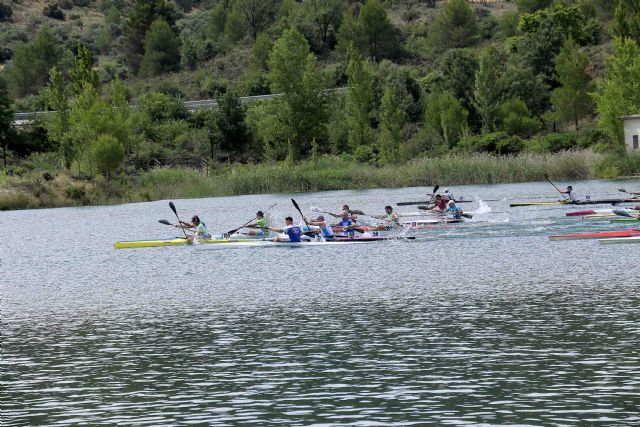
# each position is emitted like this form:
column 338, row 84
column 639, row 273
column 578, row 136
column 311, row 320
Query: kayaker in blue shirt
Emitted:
column 347, row 223
column 453, row 210
column 198, row 227
column 294, row 232
column 325, row 229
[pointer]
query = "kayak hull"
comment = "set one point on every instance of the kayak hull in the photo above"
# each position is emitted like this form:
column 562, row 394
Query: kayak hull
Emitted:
column 285, row 244
column 624, row 240
column 600, row 235
column 169, row 242
column 579, row 202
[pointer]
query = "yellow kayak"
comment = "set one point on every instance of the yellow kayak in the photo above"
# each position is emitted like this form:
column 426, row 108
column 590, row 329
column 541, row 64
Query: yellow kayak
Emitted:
column 170, row 242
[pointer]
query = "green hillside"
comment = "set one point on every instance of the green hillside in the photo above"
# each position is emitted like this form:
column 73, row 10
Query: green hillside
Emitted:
column 421, row 79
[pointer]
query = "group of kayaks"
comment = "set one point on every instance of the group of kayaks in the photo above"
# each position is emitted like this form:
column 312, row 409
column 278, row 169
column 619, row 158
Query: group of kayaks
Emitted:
column 415, row 221
column 606, row 237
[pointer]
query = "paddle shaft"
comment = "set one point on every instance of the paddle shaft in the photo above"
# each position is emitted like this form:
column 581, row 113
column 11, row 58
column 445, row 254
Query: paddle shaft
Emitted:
column 554, row 186
column 235, row 230
column 173, row 208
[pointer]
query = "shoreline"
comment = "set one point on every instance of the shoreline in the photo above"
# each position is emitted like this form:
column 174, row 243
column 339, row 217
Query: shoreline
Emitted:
column 33, row 191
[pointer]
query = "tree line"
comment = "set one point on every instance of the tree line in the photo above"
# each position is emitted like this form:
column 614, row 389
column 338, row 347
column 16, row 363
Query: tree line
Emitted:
column 464, row 80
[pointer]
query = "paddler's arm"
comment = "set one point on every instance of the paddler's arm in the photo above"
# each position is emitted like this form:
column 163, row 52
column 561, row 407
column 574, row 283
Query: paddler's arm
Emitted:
column 276, row 229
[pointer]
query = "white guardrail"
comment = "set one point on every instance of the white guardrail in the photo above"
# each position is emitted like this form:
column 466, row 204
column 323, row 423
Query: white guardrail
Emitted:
column 28, row 116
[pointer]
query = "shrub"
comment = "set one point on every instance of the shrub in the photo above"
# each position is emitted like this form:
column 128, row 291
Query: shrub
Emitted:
column 5, row 12
column 552, row 143
column 65, row 4
column 52, row 10
column 365, row 154
column 496, row 142
column 108, row 153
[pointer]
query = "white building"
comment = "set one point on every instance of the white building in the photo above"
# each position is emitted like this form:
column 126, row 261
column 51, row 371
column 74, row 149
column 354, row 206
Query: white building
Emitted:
column 632, row 132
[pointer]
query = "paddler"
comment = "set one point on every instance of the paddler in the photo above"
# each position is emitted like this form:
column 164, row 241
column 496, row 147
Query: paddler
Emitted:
column 389, row 216
column 261, row 224
column 325, row 229
column 293, row 232
column 347, row 223
column 570, row 193
column 454, row 210
column 448, row 195
column 440, row 204
column 198, row 227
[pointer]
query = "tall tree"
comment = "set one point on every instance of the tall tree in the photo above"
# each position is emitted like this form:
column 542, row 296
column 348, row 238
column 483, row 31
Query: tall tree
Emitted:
column 619, row 92
column 487, row 91
column 627, row 19
column 379, row 35
column 161, row 50
column 82, row 71
column 372, row 33
column 57, row 96
column 444, row 118
column 454, row 26
column 6, row 117
column 139, row 20
column 359, row 101
column 230, row 126
column 571, row 100
column 31, row 62
column 258, row 14
column 326, row 16
column 293, row 71
column 393, row 118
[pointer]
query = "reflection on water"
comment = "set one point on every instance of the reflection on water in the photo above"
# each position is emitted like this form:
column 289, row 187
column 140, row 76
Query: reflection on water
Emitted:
column 491, row 324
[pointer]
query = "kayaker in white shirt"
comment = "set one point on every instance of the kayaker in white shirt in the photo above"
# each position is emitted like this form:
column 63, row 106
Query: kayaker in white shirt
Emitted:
column 572, row 195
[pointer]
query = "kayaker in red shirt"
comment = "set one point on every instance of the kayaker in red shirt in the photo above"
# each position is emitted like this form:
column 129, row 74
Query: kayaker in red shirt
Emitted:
column 440, row 204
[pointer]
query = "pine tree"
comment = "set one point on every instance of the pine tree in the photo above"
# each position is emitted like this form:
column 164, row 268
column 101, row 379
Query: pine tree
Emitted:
column 359, row 101
column 571, row 100
column 619, row 92
column 393, row 118
column 487, row 91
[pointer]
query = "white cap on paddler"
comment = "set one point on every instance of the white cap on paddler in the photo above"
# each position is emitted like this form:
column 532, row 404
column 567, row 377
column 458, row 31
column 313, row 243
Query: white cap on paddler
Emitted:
column 451, row 203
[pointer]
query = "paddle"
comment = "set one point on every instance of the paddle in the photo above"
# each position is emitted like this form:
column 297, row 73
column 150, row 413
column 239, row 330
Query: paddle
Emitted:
column 432, row 195
column 165, row 222
column 173, row 208
column 554, row 186
column 235, row 230
column 632, row 193
column 624, row 213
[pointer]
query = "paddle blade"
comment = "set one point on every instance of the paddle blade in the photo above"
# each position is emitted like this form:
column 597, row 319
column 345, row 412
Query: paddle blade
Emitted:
column 622, row 190
column 622, row 213
column 164, row 221
column 435, row 189
column 173, row 208
column 423, row 208
column 296, row 205
column 357, row 212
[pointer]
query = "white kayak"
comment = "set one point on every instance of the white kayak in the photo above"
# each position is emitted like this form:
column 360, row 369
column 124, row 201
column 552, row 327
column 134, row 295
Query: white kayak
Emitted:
column 617, row 240
column 303, row 244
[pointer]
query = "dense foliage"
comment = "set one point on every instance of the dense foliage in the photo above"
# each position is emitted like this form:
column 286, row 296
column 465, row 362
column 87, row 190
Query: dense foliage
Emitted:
column 372, row 81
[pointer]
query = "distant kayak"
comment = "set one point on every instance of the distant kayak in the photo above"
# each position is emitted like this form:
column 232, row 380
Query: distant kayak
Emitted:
column 578, row 202
column 599, row 212
column 623, row 240
column 597, row 235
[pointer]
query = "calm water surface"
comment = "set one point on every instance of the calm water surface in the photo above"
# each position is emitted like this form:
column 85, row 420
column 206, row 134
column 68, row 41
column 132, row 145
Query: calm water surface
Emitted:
column 488, row 323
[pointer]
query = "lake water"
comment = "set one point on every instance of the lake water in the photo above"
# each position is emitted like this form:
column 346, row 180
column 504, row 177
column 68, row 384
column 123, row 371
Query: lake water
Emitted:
column 487, row 323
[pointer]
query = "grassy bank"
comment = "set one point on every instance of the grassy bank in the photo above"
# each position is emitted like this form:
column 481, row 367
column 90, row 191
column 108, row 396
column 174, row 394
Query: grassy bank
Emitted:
column 327, row 173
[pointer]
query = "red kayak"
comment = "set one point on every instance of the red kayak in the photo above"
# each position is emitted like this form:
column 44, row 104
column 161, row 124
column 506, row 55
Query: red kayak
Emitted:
column 597, row 211
column 599, row 235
